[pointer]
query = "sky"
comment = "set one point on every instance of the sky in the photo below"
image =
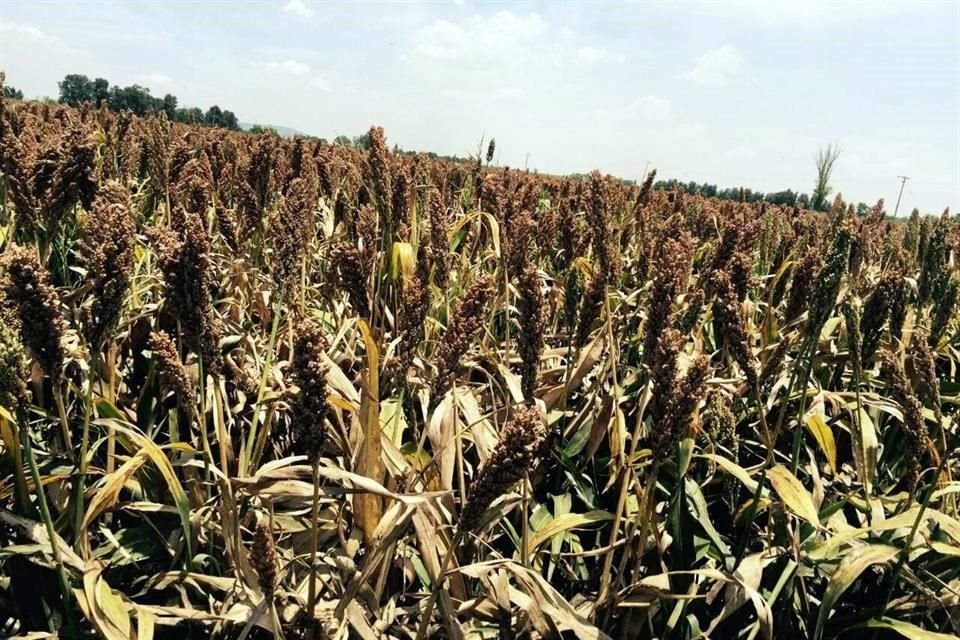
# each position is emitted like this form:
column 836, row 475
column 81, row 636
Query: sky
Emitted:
column 738, row 93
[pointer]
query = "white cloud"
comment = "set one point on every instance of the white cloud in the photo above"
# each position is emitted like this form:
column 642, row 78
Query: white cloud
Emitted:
column 902, row 162
column 794, row 12
column 591, row 54
column 508, row 93
column 644, row 113
column 319, row 82
column 650, row 107
column 504, row 36
column 717, row 67
column 13, row 33
column 155, row 80
column 289, row 67
column 297, row 8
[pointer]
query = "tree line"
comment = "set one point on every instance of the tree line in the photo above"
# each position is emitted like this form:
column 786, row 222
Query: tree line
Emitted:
column 787, row 197
column 77, row 89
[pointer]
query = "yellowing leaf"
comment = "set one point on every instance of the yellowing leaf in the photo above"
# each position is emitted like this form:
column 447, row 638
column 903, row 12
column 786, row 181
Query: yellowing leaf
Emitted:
column 871, row 446
column 589, row 357
column 846, row 573
column 113, row 607
column 107, row 496
column 392, row 421
column 793, row 494
column 733, row 469
column 105, row 610
column 156, row 455
column 822, row 433
column 369, row 507
column 403, row 260
column 145, row 624
column 564, row 523
column 907, row 630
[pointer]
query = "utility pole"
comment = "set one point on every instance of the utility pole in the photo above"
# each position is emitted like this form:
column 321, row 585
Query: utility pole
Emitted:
column 903, row 182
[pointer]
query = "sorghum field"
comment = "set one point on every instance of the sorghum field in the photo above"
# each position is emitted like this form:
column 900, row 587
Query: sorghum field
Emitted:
column 255, row 387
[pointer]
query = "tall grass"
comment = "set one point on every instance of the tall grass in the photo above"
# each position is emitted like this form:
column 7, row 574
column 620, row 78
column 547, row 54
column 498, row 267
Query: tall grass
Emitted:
column 256, row 387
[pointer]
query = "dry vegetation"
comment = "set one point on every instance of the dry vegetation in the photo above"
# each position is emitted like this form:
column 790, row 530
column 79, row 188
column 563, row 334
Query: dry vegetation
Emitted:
column 255, row 387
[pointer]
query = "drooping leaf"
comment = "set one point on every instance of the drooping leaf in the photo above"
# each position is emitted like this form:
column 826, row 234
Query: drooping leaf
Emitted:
column 793, row 494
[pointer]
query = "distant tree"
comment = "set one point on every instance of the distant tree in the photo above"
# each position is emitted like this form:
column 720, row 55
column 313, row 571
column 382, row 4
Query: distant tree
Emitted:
column 229, row 120
column 214, row 116
column 362, row 141
column 784, row 198
column 135, row 98
column 100, row 91
column 75, row 89
column 12, row 93
column 342, row 140
column 862, row 208
column 826, row 159
column 193, row 115
column 259, row 128
column 803, row 200
column 169, row 106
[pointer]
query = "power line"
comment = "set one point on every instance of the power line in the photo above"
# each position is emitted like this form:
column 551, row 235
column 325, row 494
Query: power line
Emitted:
column 903, row 182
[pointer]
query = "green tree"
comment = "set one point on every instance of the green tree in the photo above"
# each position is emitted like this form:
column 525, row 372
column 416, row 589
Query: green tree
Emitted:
column 786, row 198
column 75, row 89
column 100, row 91
column 826, row 159
column 135, row 98
column 170, row 106
column 362, row 141
column 214, row 117
column 343, row 140
column 259, row 128
column 12, row 93
column 229, row 120
column 192, row 115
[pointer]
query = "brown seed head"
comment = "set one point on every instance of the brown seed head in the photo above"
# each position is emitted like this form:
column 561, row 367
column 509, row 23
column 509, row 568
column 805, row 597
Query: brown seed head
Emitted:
column 32, row 300
column 173, row 376
column 378, row 159
column 293, row 233
column 915, row 432
column 309, row 408
column 108, row 255
column 532, row 327
column 13, row 369
column 519, row 449
column 464, row 324
column 263, row 557
column 439, row 242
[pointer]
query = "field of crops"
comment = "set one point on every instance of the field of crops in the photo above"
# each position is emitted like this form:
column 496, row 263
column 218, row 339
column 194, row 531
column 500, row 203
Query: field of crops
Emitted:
column 259, row 387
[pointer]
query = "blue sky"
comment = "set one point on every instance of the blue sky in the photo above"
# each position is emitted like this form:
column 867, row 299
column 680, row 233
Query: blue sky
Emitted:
column 734, row 93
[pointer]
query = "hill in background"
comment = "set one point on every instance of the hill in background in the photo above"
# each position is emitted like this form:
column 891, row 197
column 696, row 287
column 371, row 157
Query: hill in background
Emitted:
column 283, row 132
